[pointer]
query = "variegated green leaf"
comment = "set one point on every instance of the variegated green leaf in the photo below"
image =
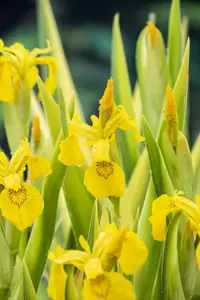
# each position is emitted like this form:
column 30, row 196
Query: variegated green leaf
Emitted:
column 161, row 179
column 41, row 238
column 123, row 96
column 64, row 76
column 181, row 87
column 17, row 115
column 174, row 42
column 172, row 284
column 152, row 75
column 52, row 112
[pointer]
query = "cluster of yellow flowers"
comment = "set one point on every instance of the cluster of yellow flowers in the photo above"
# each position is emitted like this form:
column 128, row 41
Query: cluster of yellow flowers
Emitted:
column 113, row 246
column 116, row 252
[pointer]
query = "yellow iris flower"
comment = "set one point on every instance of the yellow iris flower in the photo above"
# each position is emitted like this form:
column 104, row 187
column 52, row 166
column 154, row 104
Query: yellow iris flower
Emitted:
column 164, row 205
column 18, row 64
column 112, row 246
column 105, row 177
column 21, row 203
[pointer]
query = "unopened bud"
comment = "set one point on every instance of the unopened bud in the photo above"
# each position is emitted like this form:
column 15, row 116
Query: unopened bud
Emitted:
column 106, row 103
column 36, row 130
column 171, row 117
column 153, row 32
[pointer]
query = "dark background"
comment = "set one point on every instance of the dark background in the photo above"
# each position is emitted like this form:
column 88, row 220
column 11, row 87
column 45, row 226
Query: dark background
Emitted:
column 86, row 27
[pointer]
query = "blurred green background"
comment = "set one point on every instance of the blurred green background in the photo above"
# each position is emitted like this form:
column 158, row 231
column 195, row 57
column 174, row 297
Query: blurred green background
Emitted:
column 86, row 27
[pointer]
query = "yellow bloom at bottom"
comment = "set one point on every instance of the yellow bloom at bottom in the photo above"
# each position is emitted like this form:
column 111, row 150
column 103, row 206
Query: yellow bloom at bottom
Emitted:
column 111, row 247
column 122, row 246
column 104, row 178
column 21, row 207
column 58, row 278
column 108, row 286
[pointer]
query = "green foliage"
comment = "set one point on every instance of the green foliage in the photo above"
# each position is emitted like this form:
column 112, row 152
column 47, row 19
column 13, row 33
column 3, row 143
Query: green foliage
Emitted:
column 153, row 168
column 123, row 95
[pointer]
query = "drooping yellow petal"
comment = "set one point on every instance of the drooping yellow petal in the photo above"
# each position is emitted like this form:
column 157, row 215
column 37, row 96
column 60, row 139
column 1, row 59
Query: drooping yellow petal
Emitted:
column 57, row 282
column 7, row 92
column 109, row 286
column 31, row 76
column 19, row 159
column 12, row 181
column 158, row 222
column 10, row 210
column 133, row 254
column 21, row 207
column 153, row 32
column 104, row 179
column 38, row 166
column 32, row 206
column 70, row 152
column 58, row 278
